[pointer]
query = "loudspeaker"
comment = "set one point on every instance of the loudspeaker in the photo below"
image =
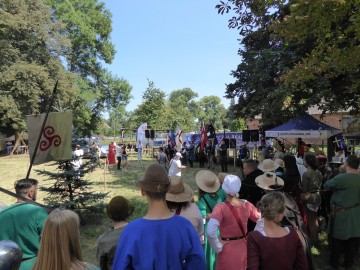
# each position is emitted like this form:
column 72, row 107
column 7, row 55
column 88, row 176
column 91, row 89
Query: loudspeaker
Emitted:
column 152, row 134
column 254, row 135
column 246, row 135
column 226, row 140
column 147, row 133
column 233, row 143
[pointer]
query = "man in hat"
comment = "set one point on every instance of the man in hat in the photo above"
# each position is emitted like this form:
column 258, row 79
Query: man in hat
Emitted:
column 175, row 165
column 159, row 240
column 23, row 222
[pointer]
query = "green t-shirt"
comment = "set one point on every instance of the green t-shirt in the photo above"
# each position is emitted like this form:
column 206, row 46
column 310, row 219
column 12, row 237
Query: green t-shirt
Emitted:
column 23, row 224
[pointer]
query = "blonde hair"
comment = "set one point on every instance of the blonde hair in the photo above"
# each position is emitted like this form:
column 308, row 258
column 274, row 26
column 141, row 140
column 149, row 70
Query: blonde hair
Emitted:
column 271, row 205
column 60, row 243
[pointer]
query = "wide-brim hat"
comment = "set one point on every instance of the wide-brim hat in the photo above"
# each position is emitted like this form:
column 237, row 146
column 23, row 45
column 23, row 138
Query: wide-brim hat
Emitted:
column 269, row 181
column 268, row 165
column 280, row 162
column 179, row 192
column 207, row 181
column 119, row 208
column 221, row 176
column 155, row 179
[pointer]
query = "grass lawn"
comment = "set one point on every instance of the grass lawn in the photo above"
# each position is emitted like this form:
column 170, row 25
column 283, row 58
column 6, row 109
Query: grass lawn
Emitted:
column 116, row 183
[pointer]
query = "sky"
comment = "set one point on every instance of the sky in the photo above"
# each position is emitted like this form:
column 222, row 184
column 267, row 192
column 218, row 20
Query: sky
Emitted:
column 174, row 43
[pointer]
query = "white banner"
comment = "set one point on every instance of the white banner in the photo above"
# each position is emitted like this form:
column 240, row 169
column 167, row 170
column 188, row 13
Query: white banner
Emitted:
column 55, row 143
column 307, row 134
column 141, row 132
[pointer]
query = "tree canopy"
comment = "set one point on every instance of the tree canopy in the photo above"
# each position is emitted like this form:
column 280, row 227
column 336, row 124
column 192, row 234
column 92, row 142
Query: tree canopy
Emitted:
column 30, row 46
column 65, row 40
column 180, row 109
column 152, row 109
column 183, row 109
column 295, row 54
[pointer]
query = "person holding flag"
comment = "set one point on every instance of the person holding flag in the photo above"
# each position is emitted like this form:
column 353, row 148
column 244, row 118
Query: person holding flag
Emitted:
column 204, row 137
column 191, row 153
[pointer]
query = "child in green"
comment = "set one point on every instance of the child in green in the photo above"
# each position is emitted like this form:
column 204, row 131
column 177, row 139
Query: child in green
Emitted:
column 210, row 194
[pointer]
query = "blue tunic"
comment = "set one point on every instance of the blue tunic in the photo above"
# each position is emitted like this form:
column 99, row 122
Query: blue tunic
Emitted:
column 159, row 244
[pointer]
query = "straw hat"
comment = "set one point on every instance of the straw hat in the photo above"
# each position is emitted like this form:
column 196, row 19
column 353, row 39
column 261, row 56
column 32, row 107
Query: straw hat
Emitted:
column 207, row 181
column 269, row 181
column 119, row 208
column 221, row 176
column 268, row 165
column 280, row 162
column 231, row 185
column 155, row 179
column 179, row 192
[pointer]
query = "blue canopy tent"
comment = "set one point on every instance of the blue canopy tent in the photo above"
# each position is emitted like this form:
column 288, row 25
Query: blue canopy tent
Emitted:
column 303, row 126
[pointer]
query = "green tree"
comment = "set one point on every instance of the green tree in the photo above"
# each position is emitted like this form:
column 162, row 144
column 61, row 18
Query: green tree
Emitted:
column 212, row 111
column 152, row 109
column 30, row 46
column 296, row 55
column 68, row 189
column 35, row 41
column 328, row 74
column 250, row 15
column 185, row 107
column 258, row 88
column 233, row 122
column 88, row 26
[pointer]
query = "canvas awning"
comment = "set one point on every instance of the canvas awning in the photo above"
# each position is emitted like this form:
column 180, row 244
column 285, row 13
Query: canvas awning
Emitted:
column 303, row 126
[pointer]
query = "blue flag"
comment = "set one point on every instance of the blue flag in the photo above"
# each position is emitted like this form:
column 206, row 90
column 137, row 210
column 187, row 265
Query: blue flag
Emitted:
column 339, row 142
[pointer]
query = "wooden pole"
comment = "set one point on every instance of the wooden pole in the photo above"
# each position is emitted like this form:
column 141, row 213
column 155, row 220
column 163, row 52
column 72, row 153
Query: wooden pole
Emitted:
column 42, row 129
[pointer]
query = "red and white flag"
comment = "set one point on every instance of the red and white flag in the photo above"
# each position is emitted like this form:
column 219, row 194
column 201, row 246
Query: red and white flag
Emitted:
column 55, row 142
column 204, row 137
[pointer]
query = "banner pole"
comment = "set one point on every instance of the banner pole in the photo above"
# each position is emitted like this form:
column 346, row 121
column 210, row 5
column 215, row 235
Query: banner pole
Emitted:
column 42, row 129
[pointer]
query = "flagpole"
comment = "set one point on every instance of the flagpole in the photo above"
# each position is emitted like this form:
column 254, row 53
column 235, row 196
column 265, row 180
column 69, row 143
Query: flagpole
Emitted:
column 42, row 129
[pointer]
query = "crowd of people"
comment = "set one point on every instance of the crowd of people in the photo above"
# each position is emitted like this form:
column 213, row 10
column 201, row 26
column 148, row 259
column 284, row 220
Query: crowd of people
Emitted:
column 267, row 220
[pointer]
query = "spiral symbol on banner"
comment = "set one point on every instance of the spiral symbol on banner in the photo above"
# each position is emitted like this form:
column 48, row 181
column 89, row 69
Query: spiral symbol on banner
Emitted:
column 49, row 139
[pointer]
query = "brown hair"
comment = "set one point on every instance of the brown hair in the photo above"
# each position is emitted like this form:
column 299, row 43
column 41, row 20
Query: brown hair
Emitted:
column 60, row 243
column 119, row 208
column 156, row 196
column 22, row 186
column 271, row 205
